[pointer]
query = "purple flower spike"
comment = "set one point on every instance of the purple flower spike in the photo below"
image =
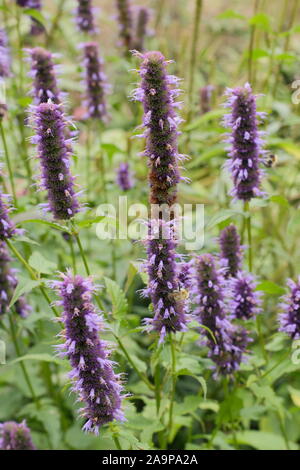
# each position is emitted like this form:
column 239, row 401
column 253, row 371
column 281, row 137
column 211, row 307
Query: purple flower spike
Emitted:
column 7, row 228
column 8, row 283
column 229, row 346
column 231, row 251
column 125, row 18
column 245, row 143
column 167, row 297
column 245, row 302
column 92, row 375
column 4, row 55
column 15, row 436
column 142, row 20
column 124, row 178
column 185, row 274
column 157, row 93
column 43, row 72
column 289, row 319
column 53, row 151
column 85, row 16
column 205, row 98
column 96, row 86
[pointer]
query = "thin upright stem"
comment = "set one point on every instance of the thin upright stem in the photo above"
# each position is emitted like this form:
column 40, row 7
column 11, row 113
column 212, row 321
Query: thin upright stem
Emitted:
column 33, row 275
column 249, row 233
column 251, row 44
column 82, row 254
column 174, row 379
column 7, row 159
column 117, row 442
column 73, row 255
column 196, row 27
column 22, row 365
column 55, row 22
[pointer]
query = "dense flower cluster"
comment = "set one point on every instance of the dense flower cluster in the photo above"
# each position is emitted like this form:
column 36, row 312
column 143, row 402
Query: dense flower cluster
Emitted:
column 160, row 122
column 4, row 55
column 92, row 374
column 15, row 436
column 227, row 343
column 231, row 251
column 7, row 228
column 205, row 98
column 185, row 274
column 245, row 301
column 290, row 317
column 8, row 282
column 85, row 16
column 124, row 178
column 53, row 151
column 125, row 18
column 164, row 287
column 245, row 143
column 96, row 86
column 43, row 73
column 142, row 19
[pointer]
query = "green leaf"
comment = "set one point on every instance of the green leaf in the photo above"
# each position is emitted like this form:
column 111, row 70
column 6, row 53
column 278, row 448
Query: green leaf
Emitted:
column 230, row 15
column 281, row 200
column 24, row 286
column 117, row 297
column 63, row 228
column 211, row 115
column 132, row 271
column 41, row 264
column 261, row 21
column 264, row 440
column 270, row 287
column 43, row 357
column 221, row 216
column 36, row 14
column 89, row 222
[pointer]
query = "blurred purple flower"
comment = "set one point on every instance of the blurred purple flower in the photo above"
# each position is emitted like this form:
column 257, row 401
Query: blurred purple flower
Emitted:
column 54, row 151
column 245, row 143
column 124, row 177
column 231, row 251
column 36, row 27
column 15, row 436
column 8, row 283
column 96, row 86
column 142, row 16
column 7, row 228
column 125, row 18
column 4, row 55
column 85, row 16
column 92, row 375
column 289, row 319
column 205, row 98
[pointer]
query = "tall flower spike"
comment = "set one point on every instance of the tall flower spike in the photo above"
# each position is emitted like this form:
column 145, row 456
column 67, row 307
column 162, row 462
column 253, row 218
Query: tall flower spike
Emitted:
column 43, row 72
column 142, row 20
column 231, row 251
column 15, row 436
column 96, row 86
column 289, row 319
column 157, row 93
column 8, row 283
column 245, row 301
column 125, row 18
column 124, row 178
column 92, row 375
column 53, row 151
column 164, row 287
column 230, row 342
column 85, row 16
column 4, row 55
column 245, row 143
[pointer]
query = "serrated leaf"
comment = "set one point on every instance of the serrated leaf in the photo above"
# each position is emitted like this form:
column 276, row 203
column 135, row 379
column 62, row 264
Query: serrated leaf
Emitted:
column 117, row 297
column 41, row 264
column 270, row 288
column 23, row 287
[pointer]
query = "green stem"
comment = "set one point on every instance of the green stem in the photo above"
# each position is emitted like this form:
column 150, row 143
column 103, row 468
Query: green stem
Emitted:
column 251, row 45
column 83, row 257
column 73, row 255
column 117, row 442
column 197, row 18
column 249, row 234
column 55, row 22
column 10, row 173
column 32, row 275
column 22, row 365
